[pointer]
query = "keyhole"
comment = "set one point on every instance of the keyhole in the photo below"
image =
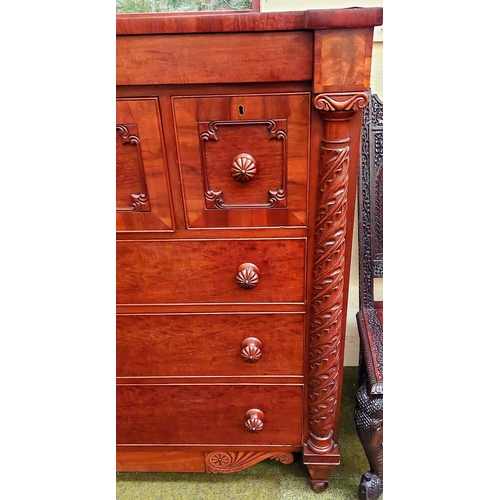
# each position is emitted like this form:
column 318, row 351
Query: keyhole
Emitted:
column 241, row 110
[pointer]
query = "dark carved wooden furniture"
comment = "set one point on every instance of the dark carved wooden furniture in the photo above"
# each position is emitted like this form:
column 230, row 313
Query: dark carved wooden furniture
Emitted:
column 237, row 145
column 369, row 401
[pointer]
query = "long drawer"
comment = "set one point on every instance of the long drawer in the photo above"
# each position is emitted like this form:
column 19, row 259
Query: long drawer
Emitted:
column 209, row 344
column 210, row 271
column 209, row 414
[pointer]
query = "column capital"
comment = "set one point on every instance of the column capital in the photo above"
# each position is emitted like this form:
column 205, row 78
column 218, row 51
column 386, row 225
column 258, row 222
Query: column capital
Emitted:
column 341, row 101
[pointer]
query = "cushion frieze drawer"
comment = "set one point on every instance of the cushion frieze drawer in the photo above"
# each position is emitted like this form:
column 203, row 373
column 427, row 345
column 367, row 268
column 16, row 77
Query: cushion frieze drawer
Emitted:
column 209, row 344
column 210, row 271
column 209, row 414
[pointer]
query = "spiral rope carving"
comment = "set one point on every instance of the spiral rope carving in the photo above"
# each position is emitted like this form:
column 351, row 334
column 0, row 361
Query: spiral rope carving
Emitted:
column 327, row 297
column 325, row 331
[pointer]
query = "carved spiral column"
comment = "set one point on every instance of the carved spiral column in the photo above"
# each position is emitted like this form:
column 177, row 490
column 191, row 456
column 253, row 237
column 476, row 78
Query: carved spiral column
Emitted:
column 325, row 333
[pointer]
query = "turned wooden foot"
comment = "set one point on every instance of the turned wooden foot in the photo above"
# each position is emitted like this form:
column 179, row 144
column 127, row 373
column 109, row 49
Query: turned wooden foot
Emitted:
column 319, row 476
column 320, row 466
column 368, row 416
column 318, row 486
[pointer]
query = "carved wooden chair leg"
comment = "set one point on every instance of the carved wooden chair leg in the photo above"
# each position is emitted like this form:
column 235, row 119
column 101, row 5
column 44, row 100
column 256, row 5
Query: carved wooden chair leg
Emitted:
column 368, row 416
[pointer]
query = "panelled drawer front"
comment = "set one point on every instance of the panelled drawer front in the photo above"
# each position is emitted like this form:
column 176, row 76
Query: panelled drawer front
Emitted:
column 209, row 344
column 244, row 153
column 205, row 271
column 142, row 188
column 208, row 414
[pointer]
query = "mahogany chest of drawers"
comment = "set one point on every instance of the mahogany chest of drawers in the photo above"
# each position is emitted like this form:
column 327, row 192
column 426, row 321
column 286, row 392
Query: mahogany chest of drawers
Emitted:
column 237, row 145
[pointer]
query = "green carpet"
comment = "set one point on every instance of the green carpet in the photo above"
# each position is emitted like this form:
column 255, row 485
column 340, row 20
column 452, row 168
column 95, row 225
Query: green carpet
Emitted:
column 267, row 480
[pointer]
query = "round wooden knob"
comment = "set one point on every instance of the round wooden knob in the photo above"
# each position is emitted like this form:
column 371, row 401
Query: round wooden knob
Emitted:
column 254, row 419
column 247, row 276
column 243, row 168
column 251, row 350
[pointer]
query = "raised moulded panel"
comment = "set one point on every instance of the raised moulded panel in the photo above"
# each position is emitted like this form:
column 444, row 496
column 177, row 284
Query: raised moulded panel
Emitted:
column 142, row 189
column 131, row 192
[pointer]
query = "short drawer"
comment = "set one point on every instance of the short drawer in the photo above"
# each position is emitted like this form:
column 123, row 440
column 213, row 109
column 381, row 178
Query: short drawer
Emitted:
column 209, row 344
column 209, row 414
column 210, row 271
column 142, row 186
column 241, row 155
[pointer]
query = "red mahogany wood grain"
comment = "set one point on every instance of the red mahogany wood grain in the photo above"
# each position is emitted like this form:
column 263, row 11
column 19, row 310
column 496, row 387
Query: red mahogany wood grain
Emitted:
column 285, row 90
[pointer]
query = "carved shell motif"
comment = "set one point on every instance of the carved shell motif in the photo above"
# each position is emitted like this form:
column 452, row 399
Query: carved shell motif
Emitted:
column 251, row 351
column 247, row 276
column 254, row 421
column 243, row 168
column 254, row 425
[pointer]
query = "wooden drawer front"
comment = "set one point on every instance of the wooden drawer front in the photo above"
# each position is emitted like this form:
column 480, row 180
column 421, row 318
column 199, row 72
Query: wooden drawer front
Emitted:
column 214, row 58
column 204, row 271
column 244, row 158
column 209, row 344
column 208, row 414
column 142, row 190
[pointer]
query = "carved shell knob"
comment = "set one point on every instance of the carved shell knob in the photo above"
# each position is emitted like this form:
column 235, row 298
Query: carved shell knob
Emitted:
column 243, row 168
column 247, row 276
column 251, row 350
column 254, row 420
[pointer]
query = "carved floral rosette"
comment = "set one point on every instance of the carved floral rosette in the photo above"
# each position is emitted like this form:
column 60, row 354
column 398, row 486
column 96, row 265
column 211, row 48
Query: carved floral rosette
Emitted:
column 233, row 461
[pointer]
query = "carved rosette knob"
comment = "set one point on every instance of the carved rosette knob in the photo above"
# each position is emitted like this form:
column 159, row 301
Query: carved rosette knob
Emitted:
column 251, row 350
column 243, row 168
column 247, row 276
column 254, row 421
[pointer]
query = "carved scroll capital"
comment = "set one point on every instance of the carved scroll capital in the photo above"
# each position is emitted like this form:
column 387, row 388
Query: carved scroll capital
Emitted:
column 341, row 101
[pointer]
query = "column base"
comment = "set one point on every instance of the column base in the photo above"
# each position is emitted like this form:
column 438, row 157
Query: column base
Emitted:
column 320, row 467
